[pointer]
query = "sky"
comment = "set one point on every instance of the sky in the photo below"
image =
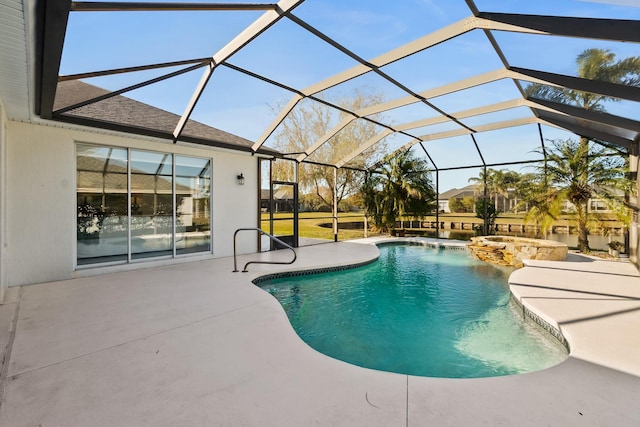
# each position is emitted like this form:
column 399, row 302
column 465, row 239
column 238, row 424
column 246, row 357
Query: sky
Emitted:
column 293, row 56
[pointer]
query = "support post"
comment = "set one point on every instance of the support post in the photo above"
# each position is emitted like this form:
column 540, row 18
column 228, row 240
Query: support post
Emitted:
column 437, row 205
column 633, row 202
column 486, row 202
column 335, row 204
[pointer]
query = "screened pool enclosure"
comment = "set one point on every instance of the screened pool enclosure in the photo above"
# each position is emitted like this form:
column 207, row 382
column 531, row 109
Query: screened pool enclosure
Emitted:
column 322, row 92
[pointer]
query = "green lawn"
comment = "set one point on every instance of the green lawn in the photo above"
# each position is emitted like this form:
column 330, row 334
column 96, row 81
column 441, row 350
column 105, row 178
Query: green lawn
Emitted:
column 318, row 225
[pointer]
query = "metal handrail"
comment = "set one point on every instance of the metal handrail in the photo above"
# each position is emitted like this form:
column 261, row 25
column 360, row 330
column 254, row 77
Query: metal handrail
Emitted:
column 263, row 233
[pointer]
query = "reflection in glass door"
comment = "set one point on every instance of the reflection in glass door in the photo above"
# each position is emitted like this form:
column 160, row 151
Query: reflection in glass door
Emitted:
column 102, row 222
column 151, row 204
column 135, row 204
column 193, row 192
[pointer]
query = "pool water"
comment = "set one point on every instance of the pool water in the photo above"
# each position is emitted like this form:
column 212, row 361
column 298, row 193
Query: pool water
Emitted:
column 417, row 311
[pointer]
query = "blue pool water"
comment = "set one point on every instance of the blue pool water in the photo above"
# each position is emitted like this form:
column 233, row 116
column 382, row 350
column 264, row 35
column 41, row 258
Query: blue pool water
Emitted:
column 418, row 311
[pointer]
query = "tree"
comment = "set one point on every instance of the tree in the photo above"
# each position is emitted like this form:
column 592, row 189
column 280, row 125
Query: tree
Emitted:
column 401, row 187
column 499, row 183
column 488, row 212
column 464, row 205
column 506, row 186
column 311, row 121
column 539, row 200
column 593, row 64
column 575, row 172
column 489, row 178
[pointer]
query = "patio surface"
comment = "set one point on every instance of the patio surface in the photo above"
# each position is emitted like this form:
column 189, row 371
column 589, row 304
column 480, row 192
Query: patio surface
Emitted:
column 195, row 344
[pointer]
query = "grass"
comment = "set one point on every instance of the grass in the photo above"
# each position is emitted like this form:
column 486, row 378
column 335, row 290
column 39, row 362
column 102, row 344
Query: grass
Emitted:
column 315, row 225
column 319, row 225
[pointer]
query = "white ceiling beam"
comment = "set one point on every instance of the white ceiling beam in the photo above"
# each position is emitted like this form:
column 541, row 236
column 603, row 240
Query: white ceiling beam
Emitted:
column 368, row 144
column 284, row 112
column 247, row 35
column 327, row 136
column 432, row 39
column 514, row 103
column 462, row 132
column 506, row 105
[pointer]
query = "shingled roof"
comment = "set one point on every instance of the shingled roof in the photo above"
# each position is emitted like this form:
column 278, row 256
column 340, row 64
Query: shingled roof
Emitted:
column 127, row 115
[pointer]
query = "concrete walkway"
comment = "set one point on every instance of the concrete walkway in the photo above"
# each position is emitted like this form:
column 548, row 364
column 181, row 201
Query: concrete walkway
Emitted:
column 194, row 344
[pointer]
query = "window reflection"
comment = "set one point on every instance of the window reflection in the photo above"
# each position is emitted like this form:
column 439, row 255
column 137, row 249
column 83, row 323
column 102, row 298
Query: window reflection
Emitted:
column 193, row 191
column 151, row 204
column 102, row 204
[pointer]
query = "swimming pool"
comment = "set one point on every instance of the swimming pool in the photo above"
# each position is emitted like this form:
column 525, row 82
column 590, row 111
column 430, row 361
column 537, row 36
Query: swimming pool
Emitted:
column 419, row 311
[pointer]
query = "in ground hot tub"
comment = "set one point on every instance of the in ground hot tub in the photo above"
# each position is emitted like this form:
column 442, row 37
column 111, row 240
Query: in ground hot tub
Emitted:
column 508, row 250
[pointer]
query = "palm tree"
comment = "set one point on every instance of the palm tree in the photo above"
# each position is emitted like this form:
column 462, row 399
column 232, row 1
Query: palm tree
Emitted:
column 593, row 64
column 401, row 187
column 576, row 173
column 499, row 183
column 488, row 180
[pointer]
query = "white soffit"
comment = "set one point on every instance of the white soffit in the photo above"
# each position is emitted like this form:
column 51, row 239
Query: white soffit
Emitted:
column 14, row 60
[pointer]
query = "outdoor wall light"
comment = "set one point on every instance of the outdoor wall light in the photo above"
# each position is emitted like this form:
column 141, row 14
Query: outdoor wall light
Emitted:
column 240, row 179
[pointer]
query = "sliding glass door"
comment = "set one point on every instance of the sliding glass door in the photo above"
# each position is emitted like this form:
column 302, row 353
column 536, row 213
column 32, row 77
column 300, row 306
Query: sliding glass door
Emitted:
column 135, row 204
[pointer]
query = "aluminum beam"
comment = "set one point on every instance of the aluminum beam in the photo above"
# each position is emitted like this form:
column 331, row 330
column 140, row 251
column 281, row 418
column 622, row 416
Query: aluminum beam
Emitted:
column 593, row 116
column 81, row 6
column 613, row 90
column 49, row 43
column 603, row 88
column 250, row 33
column 324, row 138
column 582, row 128
column 368, row 144
column 432, row 39
column 128, row 89
column 284, row 112
column 485, row 22
column 470, row 82
column 113, row 71
column 373, row 68
column 590, row 28
column 462, row 132
column 500, row 106
column 482, row 128
column 514, row 103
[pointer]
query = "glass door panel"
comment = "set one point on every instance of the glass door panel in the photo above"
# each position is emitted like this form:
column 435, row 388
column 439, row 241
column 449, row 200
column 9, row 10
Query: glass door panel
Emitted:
column 193, row 201
column 151, row 204
column 102, row 223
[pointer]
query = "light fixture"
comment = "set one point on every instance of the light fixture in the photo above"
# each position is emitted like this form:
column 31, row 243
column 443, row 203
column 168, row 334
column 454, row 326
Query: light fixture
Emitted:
column 240, row 179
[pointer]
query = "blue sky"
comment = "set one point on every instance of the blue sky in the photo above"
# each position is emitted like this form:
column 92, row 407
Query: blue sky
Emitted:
column 289, row 54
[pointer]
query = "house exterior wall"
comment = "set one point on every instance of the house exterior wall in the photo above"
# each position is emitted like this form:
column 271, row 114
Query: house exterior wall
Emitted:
column 3, row 196
column 41, row 200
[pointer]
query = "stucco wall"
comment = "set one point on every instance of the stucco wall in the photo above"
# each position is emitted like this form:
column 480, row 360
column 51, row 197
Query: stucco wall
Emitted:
column 3, row 194
column 41, row 198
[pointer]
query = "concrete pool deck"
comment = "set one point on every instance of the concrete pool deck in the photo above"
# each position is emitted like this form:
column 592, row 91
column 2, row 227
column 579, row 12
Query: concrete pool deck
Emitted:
column 195, row 344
